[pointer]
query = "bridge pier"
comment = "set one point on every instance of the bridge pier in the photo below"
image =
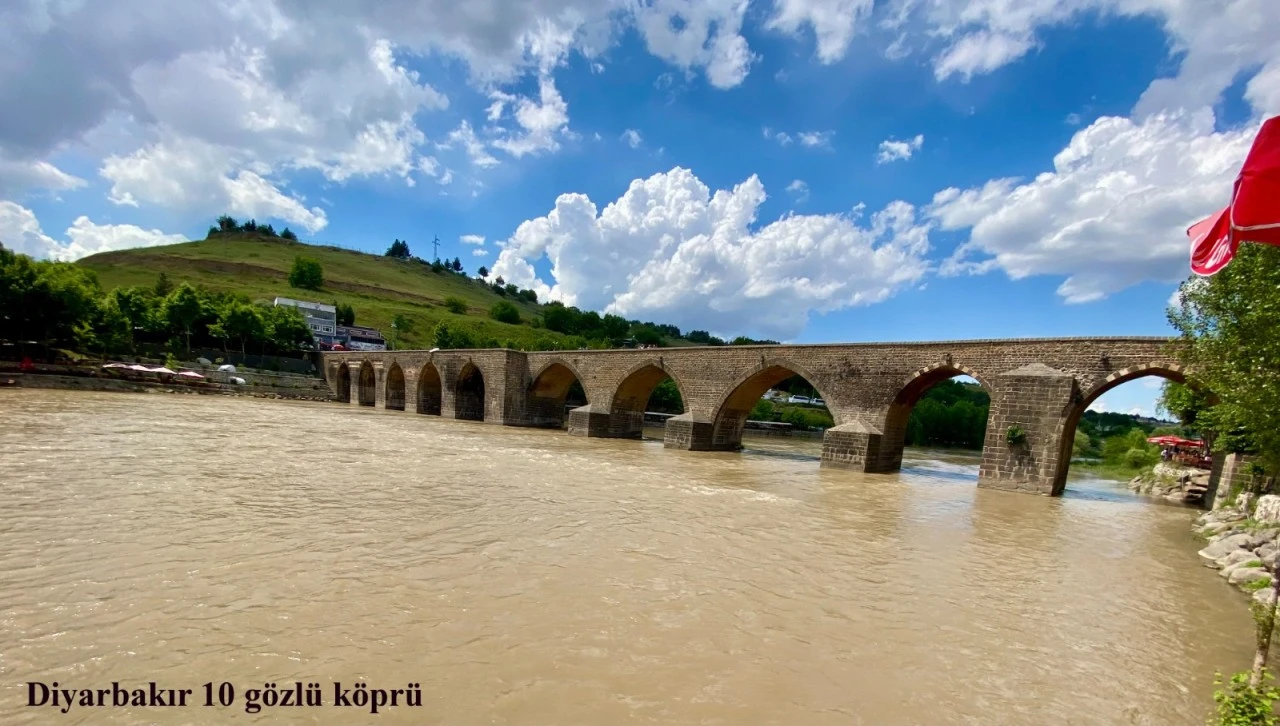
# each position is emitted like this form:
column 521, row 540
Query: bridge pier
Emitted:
column 1025, row 449
column 692, row 433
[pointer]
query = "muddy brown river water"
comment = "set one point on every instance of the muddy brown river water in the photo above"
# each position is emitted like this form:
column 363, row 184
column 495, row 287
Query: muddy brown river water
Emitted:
column 528, row 577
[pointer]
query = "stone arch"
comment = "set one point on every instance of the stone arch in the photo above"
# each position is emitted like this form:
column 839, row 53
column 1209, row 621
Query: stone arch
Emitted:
column 631, row 396
column 430, row 390
column 395, row 388
column 731, row 411
column 896, row 418
column 368, row 388
column 549, row 391
column 1066, row 430
column 342, row 383
column 468, row 402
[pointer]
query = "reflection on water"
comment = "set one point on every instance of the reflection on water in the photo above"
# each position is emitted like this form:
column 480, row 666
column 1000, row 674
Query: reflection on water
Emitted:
column 528, row 577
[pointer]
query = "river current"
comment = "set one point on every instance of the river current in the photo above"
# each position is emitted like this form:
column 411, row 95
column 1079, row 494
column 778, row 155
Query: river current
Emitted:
column 529, row 577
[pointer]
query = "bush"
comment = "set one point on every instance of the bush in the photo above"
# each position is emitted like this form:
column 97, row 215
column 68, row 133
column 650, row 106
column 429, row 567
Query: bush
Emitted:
column 306, row 274
column 762, row 411
column 1240, row 704
column 1138, row 458
column 505, row 312
column 456, row 305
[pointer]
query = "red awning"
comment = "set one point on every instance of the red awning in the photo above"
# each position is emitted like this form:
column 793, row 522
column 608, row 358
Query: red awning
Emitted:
column 1254, row 212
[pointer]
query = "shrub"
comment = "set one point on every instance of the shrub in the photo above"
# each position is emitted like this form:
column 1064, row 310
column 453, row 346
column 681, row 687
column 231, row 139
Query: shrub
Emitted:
column 456, row 305
column 306, row 274
column 1240, row 704
column 505, row 312
column 1015, row 436
column 1138, row 458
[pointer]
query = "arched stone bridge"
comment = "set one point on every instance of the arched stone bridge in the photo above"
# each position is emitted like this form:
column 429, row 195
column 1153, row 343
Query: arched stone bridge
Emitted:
column 1040, row 386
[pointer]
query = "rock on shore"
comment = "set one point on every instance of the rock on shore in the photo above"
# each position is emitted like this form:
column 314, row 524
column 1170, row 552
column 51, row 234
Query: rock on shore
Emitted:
column 1173, row 483
column 1243, row 549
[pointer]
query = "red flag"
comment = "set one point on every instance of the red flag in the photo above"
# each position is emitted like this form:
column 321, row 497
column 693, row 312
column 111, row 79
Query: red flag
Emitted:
column 1212, row 244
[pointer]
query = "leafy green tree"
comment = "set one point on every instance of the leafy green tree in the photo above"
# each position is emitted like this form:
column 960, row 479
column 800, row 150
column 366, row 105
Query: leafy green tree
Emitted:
column 1230, row 335
column 182, row 308
column 452, row 337
column 614, row 327
column 287, row 329
column 244, row 323
column 163, row 286
column 227, row 223
column 666, row 398
column 455, row 305
column 483, row 272
column 1184, row 403
column 399, row 250
column 345, row 313
column 457, row 265
column 646, row 334
column 288, row 234
column 505, row 312
column 112, row 328
column 306, row 274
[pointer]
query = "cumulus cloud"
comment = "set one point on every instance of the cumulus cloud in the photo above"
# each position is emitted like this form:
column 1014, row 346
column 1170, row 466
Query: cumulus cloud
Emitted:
column 21, row 176
column 1112, row 212
column 782, row 137
column 471, row 239
column 672, row 249
column 632, row 137
column 816, row 139
column 891, row 150
column 698, row 34
column 21, row 231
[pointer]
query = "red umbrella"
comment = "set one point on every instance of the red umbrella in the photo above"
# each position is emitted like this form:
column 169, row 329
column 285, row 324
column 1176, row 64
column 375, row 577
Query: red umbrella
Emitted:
column 1254, row 212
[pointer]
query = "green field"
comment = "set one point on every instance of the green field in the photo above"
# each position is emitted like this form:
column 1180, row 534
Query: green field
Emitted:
column 378, row 287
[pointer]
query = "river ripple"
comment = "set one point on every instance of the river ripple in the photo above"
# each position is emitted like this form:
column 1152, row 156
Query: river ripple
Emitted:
column 528, row 577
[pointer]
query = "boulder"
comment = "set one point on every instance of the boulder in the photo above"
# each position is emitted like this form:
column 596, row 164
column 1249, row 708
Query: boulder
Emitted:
column 1263, row 537
column 1246, row 575
column 1266, row 595
column 1268, row 509
column 1270, row 558
column 1213, row 528
column 1224, row 546
column 1236, row 557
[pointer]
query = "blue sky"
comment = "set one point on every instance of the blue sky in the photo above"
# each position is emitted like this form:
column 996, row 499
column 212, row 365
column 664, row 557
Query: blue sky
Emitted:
column 805, row 170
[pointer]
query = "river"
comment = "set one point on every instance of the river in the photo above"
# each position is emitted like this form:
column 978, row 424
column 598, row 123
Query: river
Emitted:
column 529, row 577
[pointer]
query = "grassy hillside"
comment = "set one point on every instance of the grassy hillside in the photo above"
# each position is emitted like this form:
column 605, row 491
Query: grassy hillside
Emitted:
column 379, row 288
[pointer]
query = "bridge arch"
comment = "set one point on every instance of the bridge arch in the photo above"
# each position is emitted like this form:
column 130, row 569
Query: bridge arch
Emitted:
column 897, row 419
column 430, row 390
column 731, row 411
column 550, row 390
column 468, row 401
column 631, row 397
column 394, row 395
column 367, row 391
column 1066, row 432
column 342, row 383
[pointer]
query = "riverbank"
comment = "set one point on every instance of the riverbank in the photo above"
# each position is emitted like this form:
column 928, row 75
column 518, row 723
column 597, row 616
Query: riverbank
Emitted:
column 1244, row 548
column 1173, row 483
column 88, row 380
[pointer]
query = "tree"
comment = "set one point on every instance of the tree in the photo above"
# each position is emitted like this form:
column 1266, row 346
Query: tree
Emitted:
column 449, row 337
column 182, row 309
column 646, row 334
column 457, row 265
column 288, row 234
column 1230, row 341
column 227, row 223
column 243, row 322
column 1184, row 403
column 306, row 274
column 399, row 250
column 614, row 327
column 505, row 312
column 287, row 328
column 483, row 272
column 345, row 313
column 163, row 286
column 455, row 305
column 499, row 281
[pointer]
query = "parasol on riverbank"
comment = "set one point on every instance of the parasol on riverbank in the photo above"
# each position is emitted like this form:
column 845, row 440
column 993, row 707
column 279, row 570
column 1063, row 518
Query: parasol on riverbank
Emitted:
column 1254, row 212
column 190, row 374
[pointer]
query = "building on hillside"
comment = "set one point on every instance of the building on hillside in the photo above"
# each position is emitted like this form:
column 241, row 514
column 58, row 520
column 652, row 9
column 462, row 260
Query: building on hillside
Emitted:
column 353, row 337
column 321, row 318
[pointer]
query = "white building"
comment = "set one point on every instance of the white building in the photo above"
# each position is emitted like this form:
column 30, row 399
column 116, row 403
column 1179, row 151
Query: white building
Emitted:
column 321, row 318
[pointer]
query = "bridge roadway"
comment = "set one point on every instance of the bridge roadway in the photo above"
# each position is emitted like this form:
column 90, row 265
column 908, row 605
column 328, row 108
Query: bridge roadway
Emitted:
column 1038, row 387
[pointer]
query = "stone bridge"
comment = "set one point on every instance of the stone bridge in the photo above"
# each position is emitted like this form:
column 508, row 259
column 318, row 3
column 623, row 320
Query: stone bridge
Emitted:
column 1039, row 388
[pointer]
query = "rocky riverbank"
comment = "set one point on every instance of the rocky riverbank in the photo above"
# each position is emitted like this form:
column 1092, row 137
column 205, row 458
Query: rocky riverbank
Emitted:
column 1243, row 548
column 1173, row 483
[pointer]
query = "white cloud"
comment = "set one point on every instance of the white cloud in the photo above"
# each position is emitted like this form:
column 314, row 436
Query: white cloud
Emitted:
column 540, row 122
column 799, row 189
column 1113, row 211
column 20, row 176
column 632, row 137
column 465, row 136
column 21, row 232
column 698, row 34
column 471, row 239
column 479, row 252
column 669, row 248
column 833, row 22
column 816, row 139
column 892, row 150
column 781, row 137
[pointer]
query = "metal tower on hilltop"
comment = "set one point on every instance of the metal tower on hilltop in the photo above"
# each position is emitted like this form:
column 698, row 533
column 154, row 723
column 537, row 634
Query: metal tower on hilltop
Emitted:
column 435, row 247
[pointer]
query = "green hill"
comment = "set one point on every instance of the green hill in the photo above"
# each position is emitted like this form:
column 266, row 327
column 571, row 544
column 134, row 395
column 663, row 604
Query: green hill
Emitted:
column 377, row 287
